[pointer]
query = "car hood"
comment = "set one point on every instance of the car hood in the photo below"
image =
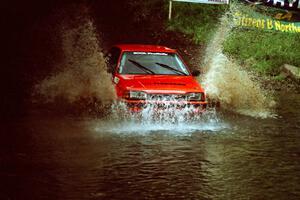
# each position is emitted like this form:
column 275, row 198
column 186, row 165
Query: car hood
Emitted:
column 160, row 83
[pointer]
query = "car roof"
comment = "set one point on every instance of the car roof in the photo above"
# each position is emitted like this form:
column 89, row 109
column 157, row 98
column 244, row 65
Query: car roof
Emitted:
column 144, row 47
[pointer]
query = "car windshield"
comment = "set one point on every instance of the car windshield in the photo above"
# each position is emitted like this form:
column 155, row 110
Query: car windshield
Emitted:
column 152, row 63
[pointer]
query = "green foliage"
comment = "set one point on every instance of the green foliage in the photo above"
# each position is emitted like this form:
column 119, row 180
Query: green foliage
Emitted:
column 279, row 77
column 265, row 51
column 197, row 20
column 262, row 50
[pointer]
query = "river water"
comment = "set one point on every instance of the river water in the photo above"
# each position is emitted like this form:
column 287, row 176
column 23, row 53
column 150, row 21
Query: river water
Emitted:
column 220, row 155
column 44, row 156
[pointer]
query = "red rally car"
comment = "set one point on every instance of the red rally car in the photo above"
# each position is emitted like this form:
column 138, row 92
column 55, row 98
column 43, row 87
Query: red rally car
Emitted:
column 150, row 74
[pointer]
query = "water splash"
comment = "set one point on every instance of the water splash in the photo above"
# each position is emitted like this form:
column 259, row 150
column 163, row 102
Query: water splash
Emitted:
column 82, row 75
column 153, row 118
column 228, row 83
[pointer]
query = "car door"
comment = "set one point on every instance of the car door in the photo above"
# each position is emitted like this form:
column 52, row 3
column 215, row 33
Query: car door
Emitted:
column 112, row 65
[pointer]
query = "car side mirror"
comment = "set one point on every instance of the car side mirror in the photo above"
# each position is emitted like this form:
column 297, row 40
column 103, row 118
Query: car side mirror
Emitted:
column 196, row 73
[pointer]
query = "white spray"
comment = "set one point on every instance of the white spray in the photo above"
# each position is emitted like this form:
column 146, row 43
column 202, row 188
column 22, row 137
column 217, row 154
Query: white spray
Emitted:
column 228, row 83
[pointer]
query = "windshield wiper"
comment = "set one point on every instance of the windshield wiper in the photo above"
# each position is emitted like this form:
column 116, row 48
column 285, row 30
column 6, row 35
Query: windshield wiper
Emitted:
column 171, row 68
column 145, row 69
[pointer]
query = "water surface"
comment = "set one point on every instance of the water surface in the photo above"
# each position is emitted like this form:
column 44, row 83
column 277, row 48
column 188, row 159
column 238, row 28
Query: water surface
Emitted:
column 234, row 157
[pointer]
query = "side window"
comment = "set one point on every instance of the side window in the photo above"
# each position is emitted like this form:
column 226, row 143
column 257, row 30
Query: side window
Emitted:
column 112, row 59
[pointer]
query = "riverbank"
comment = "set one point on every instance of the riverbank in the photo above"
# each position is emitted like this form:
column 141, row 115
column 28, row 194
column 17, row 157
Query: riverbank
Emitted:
column 261, row 53
column 36, row 50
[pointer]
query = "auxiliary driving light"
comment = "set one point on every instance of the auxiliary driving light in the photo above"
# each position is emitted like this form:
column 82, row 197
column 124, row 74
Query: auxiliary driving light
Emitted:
column 136, row 95
column 195, row 96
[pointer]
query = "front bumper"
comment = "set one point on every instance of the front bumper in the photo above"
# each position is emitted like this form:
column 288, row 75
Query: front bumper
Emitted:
column 139, row 105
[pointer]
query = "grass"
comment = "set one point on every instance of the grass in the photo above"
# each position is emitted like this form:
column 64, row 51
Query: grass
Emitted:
column 279, row 77
column 264, row 51
column 197, row 20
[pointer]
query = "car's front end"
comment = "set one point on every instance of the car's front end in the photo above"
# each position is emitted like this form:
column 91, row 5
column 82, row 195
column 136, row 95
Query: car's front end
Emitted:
column 155, row 76
column 161, row 92
column 138, row 100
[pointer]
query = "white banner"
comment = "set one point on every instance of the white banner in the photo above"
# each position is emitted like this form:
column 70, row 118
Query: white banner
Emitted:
column 205, row 1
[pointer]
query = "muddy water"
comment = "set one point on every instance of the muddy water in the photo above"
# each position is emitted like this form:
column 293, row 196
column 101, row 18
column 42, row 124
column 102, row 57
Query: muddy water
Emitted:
column 82, row 73
column 217, row 156
column 233, row 157
column 229, row 83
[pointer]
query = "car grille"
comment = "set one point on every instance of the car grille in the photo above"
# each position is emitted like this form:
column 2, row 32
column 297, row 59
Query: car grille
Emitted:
column 166, row 97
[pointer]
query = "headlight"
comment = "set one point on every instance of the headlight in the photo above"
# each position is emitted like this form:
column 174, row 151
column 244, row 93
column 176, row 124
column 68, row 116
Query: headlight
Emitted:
column 195, row 96
column 137, row 95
